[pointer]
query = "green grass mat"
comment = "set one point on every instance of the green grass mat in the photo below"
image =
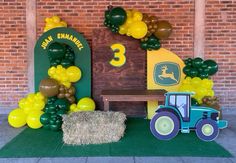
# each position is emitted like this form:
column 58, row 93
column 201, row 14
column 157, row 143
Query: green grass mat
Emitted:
column 138, row 141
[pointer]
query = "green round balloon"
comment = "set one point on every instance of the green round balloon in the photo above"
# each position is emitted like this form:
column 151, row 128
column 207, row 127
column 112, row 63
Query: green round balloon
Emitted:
column 194, row 102
column 62, row 104
column 186, row 70
column 197, row 62
column 212, row 66
column 66, row 63
column 193, row 72
column 56, row 50
column 44, row 119
column 55, row 127
column 203, row 75
column 117, row 16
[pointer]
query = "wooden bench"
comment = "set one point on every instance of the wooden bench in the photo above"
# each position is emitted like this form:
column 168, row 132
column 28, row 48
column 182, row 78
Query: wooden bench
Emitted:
column 131, row 95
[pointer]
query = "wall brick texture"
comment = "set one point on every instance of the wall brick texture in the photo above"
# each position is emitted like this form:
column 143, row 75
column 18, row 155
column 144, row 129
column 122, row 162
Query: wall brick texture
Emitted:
column 87, row 15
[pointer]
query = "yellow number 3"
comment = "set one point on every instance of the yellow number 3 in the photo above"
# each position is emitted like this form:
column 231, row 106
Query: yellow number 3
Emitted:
column 119, row 55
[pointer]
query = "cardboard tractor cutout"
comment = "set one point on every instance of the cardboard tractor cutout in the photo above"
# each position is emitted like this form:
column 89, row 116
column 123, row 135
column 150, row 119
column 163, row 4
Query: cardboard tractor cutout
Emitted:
column 178, row 114
column 77, row 53
column 164, row 71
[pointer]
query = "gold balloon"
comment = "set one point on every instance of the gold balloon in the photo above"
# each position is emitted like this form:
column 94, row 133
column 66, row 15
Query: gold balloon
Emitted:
column 164, row 29
column 49, row 87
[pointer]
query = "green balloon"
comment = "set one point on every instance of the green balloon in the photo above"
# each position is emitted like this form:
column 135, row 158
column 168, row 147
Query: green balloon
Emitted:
column 66, row 63
column 197, row 62
column 56, row 50
column 203, row 75
column 62, row 104
column 193, row 72
column 44, row 119
column 212, row 66
column 55, row 127
column 186, row 70
column 117, row 16
column 194, row 102
column 61, row 112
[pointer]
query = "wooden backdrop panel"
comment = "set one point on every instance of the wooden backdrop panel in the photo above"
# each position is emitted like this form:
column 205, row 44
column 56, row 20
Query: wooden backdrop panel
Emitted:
column 132, row 75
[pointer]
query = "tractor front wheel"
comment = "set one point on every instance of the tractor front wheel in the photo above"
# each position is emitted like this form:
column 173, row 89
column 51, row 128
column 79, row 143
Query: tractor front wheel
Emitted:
column 164, row 125
column 207, row 130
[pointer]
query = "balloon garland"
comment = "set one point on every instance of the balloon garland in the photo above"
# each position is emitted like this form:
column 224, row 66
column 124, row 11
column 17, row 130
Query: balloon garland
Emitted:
column 57, row 93
column 148, row 29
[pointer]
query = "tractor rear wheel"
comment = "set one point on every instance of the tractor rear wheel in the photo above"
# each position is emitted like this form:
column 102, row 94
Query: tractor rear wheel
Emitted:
column 207, row 130
column 164, row 125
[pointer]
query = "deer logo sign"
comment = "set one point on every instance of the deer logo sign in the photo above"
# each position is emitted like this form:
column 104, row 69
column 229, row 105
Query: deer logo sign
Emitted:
column 164, row 74
column 167, row 73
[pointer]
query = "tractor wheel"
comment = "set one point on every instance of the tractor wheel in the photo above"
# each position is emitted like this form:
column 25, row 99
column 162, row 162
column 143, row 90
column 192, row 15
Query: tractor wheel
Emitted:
column 207, row 130
column 164, row 125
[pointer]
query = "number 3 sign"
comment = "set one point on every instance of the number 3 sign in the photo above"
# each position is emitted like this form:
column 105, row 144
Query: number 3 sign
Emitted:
column 119, row 55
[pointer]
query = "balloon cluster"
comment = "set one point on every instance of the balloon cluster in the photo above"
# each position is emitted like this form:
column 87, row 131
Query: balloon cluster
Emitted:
column 55, row 108
column 200, row 87
column 65, row 76
column 67, row 93
column 84, row 104
column 197, row 67
column 53, row 22
column 29, row 111
column 139, row 26
column 60, row 54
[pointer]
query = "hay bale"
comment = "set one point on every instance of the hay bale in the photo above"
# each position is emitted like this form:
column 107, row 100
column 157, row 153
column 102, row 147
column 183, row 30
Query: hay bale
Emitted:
column 93, row 127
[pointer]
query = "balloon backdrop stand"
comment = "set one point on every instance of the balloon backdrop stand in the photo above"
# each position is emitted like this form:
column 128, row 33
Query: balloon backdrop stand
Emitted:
column 62, row 60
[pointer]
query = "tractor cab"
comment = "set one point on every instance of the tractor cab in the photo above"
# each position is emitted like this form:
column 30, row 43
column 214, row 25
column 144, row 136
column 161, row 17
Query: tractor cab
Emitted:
column 180, row 101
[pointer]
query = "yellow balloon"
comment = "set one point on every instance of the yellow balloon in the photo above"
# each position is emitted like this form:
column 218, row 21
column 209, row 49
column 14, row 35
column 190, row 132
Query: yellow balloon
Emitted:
column 73, row 107
column 21, row 103
column 207, row 83
column 56, row 19
column 137, row 16
column 17, row 118
column 86, row 104
column 38, row 105
column 196, row 82
column 73, row 73
column 33, row 119
column 138, row 29
column 28, row 107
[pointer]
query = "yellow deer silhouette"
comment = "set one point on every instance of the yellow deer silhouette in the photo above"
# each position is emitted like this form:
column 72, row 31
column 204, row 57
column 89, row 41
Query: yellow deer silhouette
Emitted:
column 166, row 75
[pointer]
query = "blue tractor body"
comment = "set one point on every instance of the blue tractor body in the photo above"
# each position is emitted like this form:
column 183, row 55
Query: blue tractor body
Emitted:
column 179, row 112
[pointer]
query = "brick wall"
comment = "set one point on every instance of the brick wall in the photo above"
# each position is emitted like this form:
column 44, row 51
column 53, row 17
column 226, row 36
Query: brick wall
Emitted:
column 221, row 46
column 13, row 59
column 87, row 15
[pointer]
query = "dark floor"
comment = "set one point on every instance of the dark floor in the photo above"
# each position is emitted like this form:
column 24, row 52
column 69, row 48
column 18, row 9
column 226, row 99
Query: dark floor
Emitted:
column 227, row 139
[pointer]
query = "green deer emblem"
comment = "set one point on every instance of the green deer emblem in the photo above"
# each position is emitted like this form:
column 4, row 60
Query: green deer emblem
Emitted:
column 164, row 74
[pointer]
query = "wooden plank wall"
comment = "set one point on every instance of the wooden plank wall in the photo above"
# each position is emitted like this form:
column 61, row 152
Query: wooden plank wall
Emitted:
column 106, row 77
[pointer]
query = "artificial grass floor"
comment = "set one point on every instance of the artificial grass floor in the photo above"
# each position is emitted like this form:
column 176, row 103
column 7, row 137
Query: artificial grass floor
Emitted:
column 137, row 141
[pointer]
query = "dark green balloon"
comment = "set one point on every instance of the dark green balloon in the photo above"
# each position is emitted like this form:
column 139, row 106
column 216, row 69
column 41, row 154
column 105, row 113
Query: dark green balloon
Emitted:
column 56, row 50
column 47, row 127
column 197, row 62
column 152, row 43
column 203, row 75
column 62, row 104
column 186, row 70
column 117, row 16
column 194, row 102
column 66, row 63
column 55, row 127
column 44, row 119
column 193, row 72
column 61, row 112
column 212, row 66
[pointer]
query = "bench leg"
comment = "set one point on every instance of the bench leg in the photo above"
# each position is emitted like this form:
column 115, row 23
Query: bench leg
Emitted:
column 106, row 105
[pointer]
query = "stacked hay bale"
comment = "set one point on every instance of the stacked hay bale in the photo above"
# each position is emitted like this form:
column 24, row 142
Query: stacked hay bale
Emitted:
column 93, row 127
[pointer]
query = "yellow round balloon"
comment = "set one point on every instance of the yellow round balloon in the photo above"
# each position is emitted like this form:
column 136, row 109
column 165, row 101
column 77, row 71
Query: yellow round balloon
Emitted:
column 138, row 29
column 73, row 73
column 33, row 119
column 17, row 118
column 86, row 104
